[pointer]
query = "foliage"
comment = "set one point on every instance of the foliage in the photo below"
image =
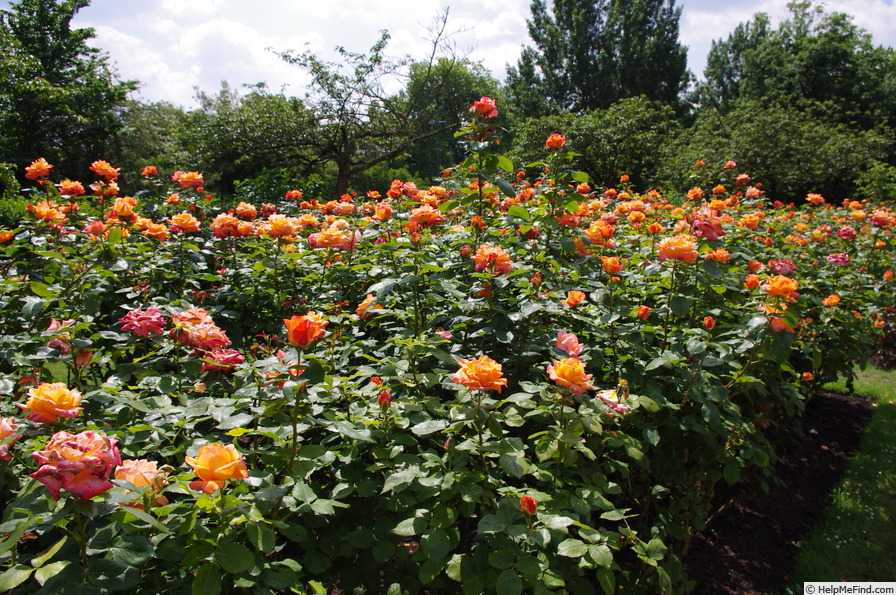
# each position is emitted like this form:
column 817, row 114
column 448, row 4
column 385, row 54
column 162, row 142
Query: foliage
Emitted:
column 811, row 56
column 238, row 135
column 457, row 83
column 590, row 54
column 151, row 134
column 794, row 150
column 392, row 383
column 55, row 87
column 627, row 137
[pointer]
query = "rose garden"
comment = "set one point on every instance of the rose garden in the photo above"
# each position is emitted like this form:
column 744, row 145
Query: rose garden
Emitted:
column 512, row 381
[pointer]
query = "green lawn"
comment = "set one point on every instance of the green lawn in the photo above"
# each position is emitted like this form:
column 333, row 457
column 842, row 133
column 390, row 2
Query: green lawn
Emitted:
column 856, row 539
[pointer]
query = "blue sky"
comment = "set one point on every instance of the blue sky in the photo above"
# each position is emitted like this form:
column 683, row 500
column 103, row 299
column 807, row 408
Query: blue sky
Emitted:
column 174, row 47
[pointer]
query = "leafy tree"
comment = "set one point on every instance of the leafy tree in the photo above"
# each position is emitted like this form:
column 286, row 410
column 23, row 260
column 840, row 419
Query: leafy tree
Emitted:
column 590, row 54
column 791, row 150
column 233, row 136
column 455, row 84
column 625, row 138
column 149, row 134
column 56, row 88
column 811, row 56
column 360, row 123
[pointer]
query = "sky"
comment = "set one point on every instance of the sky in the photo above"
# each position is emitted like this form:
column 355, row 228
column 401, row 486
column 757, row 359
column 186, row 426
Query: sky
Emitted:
column 176, row 47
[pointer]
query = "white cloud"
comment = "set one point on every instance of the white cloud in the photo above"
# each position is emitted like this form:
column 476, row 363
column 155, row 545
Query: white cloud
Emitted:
column 172, row 46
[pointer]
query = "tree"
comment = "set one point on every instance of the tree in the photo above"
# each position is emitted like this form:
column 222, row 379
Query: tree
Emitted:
column 456, row 84
column 626, row 138
column 233, row 136
column 360, row 124
column 60, row 98
column 812, row 56
column 791, row 150
column 590, row 54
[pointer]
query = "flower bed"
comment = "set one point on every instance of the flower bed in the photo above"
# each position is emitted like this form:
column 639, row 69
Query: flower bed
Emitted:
column 503, row 383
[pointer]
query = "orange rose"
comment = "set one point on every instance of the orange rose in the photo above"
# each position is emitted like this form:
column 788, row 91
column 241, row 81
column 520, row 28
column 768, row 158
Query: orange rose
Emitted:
column 104, row 170
column 831, row 300
column 189, row 179
column 779, row 324
column 71, row 188
column 643, row 312
column 302, row 330
column 570, row 373
column 611, row 264
column 569, row 343
column 183, row 222
column 482, row 373
column 681, row 247
column 48, row 402
column 555, row 141
column 493, row 259
column 7, row 437
column 528, row 505
column 574, row 298
column 367, row 307
column 215, row 464
column 718, row 255
column 39, row 168
column 781, row 286
column 751, row 282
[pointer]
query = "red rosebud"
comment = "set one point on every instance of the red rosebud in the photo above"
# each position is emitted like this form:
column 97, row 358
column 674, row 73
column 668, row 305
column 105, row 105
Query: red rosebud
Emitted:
column 528, row 505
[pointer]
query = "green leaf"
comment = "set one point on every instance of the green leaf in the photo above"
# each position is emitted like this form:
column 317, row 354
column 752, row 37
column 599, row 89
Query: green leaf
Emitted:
column 14, row 577
column 491, row 524
column 501, row 559
column 680, row 305
column 601, row 555
column 112, row 575
column 509, row 583
column 513, row 465
column 520, row 212
column 429, row 570
column 42, row 290
column 505, row 163
column 400, row 479
column 262, row 536
column 505, row 187
column 572, row 548
column 234, row 558
column 731, row 473
column 607, row 580
column 429, row 427
column 143, row 516
column 39, row 561
column 45, row 573
column 436, row 545
column 207, row 580
column 133, row 550
column 557, row 522
column 348, row 430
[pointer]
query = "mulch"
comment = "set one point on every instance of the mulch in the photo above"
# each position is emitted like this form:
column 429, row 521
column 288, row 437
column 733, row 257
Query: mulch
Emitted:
column 751, row 546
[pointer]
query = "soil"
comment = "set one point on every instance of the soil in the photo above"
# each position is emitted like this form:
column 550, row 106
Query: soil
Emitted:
column 751, row 546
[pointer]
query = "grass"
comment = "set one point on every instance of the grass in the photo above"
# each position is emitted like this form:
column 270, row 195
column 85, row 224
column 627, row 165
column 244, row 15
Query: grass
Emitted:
column 856, row 538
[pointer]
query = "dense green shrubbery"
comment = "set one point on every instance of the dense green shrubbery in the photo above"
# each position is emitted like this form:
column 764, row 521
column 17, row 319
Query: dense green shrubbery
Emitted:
column 337, row 347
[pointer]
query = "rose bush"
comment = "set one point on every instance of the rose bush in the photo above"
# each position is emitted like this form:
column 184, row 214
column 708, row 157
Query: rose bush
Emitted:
column 531, row 385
